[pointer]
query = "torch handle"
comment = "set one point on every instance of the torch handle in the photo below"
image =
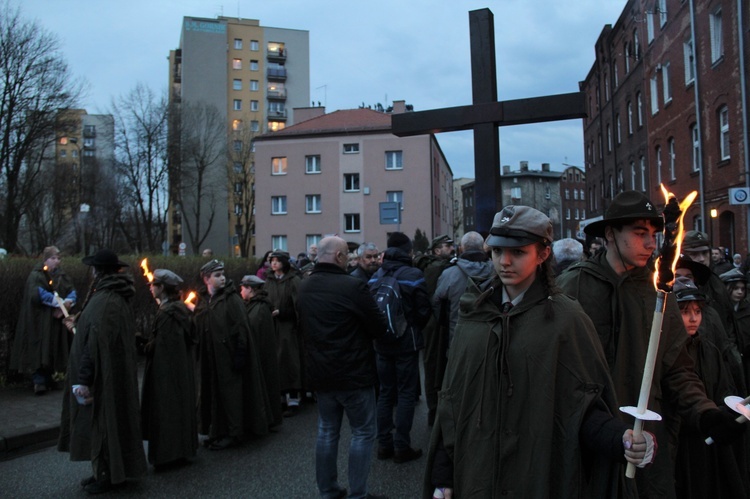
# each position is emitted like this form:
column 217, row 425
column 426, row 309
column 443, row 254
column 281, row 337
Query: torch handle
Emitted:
column 64, row 310
column 637, row 430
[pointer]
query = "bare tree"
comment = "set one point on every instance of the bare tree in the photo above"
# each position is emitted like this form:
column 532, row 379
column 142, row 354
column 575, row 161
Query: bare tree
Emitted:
column 199, row 170
column 34, row 84
column 241, row 173
column 141, row 142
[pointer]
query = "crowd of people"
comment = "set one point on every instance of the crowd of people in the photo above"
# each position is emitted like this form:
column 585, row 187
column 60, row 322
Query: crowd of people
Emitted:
column 529, row 347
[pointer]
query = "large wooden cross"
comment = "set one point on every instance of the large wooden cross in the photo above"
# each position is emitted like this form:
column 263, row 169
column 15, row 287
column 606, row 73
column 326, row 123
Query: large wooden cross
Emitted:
column 485, row 115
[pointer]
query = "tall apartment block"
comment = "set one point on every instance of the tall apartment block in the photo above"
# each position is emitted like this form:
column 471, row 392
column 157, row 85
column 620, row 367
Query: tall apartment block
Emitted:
column 668, row 104
column 251, row 77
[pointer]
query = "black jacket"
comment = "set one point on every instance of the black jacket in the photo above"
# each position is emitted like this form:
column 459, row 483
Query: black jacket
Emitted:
column 339, row 320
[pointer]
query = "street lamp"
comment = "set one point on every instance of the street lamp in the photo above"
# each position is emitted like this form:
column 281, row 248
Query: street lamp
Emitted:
column 714, row 213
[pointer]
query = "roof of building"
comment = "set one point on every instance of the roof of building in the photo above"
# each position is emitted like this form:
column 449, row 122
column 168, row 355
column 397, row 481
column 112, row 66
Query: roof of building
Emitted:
column 345, row 121
column 534, row 173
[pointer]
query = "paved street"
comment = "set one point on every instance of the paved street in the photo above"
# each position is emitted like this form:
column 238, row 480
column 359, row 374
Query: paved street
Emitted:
column 278, row 466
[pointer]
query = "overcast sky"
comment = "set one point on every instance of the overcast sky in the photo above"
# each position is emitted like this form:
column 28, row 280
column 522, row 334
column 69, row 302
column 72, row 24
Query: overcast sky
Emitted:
column 361, row 51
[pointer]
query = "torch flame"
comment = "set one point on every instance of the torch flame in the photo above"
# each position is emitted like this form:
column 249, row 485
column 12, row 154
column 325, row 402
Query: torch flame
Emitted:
column 46, row 269
column 146, row 272
column 683, row 206
column 189, row 301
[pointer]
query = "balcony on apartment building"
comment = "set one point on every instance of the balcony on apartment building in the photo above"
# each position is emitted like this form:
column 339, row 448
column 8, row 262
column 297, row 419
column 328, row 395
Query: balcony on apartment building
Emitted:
column 276, row 53
column 276, row 93
column 277, row 114
column 276, row 73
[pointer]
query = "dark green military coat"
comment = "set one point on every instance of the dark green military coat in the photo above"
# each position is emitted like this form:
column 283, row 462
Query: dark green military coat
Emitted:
column 515, row 393
column 263, row 331
column 103, row 351
column 168, row 406
column 282, row 293
column 41, row 340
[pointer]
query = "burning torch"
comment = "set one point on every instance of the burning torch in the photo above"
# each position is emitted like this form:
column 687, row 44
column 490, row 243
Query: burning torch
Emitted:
column 59, row 300
column 189, row 301
column 663, row 280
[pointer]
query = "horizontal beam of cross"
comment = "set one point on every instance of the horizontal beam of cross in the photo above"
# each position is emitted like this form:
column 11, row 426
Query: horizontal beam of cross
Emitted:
column 503, row 113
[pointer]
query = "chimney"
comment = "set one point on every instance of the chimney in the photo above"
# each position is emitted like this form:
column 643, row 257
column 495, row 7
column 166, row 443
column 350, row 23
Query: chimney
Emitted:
column 307, row 113
column 399, row 106
column 545, row 167
column 524, row 166
column 506, row 169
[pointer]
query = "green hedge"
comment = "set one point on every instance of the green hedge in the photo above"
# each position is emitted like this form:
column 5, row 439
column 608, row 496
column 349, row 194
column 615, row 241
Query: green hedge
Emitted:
column 15, row 271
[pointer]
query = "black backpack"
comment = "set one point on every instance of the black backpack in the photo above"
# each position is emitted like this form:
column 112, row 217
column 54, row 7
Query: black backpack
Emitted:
column 387, row 293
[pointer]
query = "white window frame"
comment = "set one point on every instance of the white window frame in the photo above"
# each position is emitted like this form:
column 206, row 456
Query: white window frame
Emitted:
column 254, row 105
column 717, row 36
column 619, row 129
column 666, row 86
column 254, row 45
column 279, row 165
column 254, row 126
column 237, row 104
column 688, row 56
column 254, row 85
column 254, row 65
column 654, row 95
column 351, row 182
column 313, row 203
column 662, row 13
column 394, row 160
column 672, row 156
column 237, row 84
column 312, row 164
column 238, row 44
column 395, row 197
column 278, row 205
column 279, row 242
column 236, row 63
column 632, row 175
column 639, row 99
column 696, row 149
column 643, row 173
column 609, row 137
column 724, row 133
column 630, row 118
column 658, row 164
column 352, row 222
column 351, row 148
column 650, row 26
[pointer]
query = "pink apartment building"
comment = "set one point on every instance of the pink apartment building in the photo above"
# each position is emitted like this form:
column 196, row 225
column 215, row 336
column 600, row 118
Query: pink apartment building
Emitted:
column 328, row 174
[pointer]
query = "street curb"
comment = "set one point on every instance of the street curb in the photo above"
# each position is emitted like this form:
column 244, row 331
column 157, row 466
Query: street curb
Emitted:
column 11, row 445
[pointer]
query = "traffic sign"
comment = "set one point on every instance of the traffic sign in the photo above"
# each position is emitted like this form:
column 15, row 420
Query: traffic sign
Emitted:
column 739, row 195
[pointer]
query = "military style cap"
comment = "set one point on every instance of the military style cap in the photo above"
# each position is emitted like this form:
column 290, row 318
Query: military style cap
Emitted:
column 685, row 290
column 211, row 267
column 441, row 239
column 252, row 281
column 164, row 276
column 516, row 226
column 104, row 258
column 626, row 206
column 733, row 275
column 695, row 240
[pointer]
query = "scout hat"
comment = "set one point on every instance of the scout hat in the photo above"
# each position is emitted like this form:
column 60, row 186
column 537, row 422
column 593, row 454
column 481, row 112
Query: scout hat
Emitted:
column 695, row 241
column 700, row 272
column 626, row 206
column 517, row 226
column 164, row 276
column 733, row 275
column 251, row 281
column 441, row 239
column 104, row 258
column 212, row 267
column 685, row 290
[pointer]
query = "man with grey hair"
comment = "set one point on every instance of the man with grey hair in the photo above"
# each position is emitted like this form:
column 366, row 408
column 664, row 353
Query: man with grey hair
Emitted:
column 368, row 262
column 567, row 251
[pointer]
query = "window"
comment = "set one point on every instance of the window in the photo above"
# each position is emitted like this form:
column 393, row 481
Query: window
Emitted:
column 724, row 132
column 689, row 56
column 606, row 88
column 672, row 175
column 609, row 138
column 351, row 182
column 567, row 193
column 717, row 44
column 632, row 175
column 654, row 95
column 74, row 153
column 237, row 104
column 619, row 129
column 89, row 130
column 278, row 166
column 278, row 205
column 395, row 197
column 88, row 153
column 636, row 45
column 274, row 126
column 615, row 73
column 236, row 63
column 578, row 213
column 351, row 222
column 567, row 213
column 253, row 65
column 237, row 145
column 626, row 52
column 582, row 194
column 88, row 142
column 515, row 193
column 238, row 43
column 63, row 153
column 236, row 84
column 312, row 164
column 254, row 86
column 630, row 118
column 665, row 83
column 351, row 148
column 393, row 160
column 643, row 173
column 694, row 133
column 312, row 203
column 237, row 166
column 662, row 12
column 254, row 126
column 650, row 26
column 599, row 139
column 575, row 194
column 639, row 99
column 254, row 46
column 238, row 209
column 237, row 125
column 278, row 243
column 253, row 105
column 658, row 164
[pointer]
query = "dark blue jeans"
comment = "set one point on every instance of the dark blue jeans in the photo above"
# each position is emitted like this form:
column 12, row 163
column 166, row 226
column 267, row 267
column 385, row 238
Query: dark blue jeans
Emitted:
column 399, row 375
column 359, row 406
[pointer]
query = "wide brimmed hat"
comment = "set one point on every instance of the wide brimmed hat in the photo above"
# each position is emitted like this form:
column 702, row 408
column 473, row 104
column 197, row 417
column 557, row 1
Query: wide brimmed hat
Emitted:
column 517, row 226
column 164, row 276
column 104, row 258
column 685, row 290
column 626, row 206
column 701, row 273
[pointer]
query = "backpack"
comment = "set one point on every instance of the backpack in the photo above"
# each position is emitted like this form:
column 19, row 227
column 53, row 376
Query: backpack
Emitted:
column 387, row 293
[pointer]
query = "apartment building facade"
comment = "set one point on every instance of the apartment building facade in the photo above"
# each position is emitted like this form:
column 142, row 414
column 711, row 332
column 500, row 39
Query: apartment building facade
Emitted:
column 252, row 76
column 329, row 173
column 537, row 188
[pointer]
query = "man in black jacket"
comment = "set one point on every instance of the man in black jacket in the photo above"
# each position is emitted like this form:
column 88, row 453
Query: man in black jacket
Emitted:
column 340, row 320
